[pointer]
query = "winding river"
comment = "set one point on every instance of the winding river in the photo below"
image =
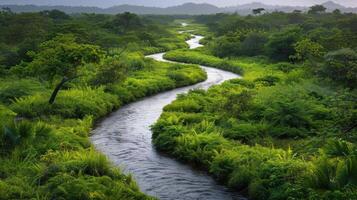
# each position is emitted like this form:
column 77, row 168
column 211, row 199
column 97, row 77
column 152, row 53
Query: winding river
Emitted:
column 125, row 137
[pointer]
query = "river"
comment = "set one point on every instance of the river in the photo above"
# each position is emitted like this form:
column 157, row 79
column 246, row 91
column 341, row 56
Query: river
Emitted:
column 125, row 137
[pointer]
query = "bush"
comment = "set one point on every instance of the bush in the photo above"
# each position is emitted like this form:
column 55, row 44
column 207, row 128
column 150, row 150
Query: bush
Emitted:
column 243, row 131
column 268, row 80
column 281, row 44
column 88, row 162
column 74, row 103
column 195, row 57
column 341, row 66
column 187, row 105
column 86, row 187
column 11, row 90
column 284, row 66
column 16, row 188
column 199, row 148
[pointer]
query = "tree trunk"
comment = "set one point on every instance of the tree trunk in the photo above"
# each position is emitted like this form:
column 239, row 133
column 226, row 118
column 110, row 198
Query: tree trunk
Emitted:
column 57, row 89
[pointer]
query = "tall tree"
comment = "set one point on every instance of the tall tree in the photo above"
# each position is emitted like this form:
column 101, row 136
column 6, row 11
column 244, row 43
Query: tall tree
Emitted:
column 317, row 9
column 258, row 11
column 61, row 57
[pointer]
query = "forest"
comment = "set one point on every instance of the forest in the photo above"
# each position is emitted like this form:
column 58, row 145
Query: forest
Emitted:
column 285, row 130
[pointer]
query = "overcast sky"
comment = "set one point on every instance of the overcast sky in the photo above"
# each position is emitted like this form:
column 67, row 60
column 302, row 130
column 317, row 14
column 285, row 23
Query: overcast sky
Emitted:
column 165, row 3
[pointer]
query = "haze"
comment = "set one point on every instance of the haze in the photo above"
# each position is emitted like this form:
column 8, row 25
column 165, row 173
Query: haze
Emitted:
column 165, row 3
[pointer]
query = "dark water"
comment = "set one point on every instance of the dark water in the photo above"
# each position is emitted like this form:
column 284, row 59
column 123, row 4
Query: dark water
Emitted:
column 125, row 137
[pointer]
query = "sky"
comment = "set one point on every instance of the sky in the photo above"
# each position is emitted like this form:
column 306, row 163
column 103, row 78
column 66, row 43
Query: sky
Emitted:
column 165, row 3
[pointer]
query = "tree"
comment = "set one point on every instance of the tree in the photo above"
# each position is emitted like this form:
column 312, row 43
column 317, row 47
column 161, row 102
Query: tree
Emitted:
column 296, row 18
column 125, row 22
column 147, row 38
column 281, row 44
column 55, row 14
column 253, row 44
column 226, row 46
column 341, row 66
column 110, row 71
column 236, row 104
column 258, row 11
column 19, row 27
column 317, row 9
column 307, row 49
column 6, row 10
column 337, row 12
column 330, row 39
column 61, row 57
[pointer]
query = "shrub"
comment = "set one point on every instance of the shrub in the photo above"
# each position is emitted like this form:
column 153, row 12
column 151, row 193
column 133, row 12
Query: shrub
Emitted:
column 86, row 187
column 196, row 57
column 74, row 103
column 243, row 131
column 187, row 105
column 199, row 148
column 109, row 72
column 268, row 80
column 88, row 162
column 341, row 66
column 16, row 188
column 284, row 66
column 281, row 44
column 11, row 90
column 13, row 134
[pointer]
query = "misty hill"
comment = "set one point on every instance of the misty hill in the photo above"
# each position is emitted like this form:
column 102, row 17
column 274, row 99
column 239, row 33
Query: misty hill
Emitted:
column 187, row 9
column 247, row 8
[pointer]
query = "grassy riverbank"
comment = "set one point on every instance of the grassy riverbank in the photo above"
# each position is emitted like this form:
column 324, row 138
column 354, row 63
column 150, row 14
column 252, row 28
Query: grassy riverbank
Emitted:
column 284, row 131
column 277, row 142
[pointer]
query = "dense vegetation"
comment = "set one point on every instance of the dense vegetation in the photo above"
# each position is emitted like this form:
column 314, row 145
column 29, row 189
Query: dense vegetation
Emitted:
column 287, row 130
column 60, row 73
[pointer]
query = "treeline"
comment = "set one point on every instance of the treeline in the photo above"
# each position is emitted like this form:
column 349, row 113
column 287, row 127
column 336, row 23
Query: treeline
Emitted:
column 58, row 74
column 290, row 37
column 288, row 129
column 21, row 33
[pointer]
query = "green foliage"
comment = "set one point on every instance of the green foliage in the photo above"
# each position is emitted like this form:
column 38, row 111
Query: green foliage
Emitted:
column 238, row 103
column 317, row 9
column 74, row 103
column 111, row 71
column 125, row 22
column 12, row 136
column 219, row 130
column 195, row 57
column 11, row 90
column 253, row 44
column 243, row 131
column 45, row 149
column 61, row 57
column 281, row 44
column 268, row 80
column 341, row 66
column 226, row 46
column 306, row 49
column 284, row 66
